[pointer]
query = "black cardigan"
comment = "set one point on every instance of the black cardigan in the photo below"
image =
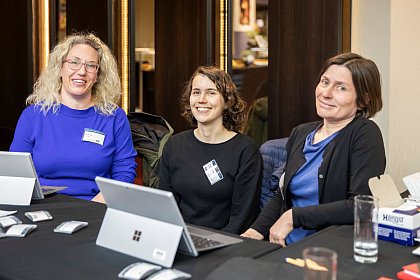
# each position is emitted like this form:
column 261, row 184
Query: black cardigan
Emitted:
column 354, row 156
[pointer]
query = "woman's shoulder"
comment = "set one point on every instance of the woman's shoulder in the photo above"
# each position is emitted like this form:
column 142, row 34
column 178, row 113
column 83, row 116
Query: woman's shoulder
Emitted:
column 119, row 116
column 365, row 122
column 245, row 139
column 304, row 129
column 241, row 143
column 32, row 110
column 119, row 112
column 116, row 112
column 361, row 131
column 183, row 134
column 363, row 125
column 308, row 125
column 182, row 137
column 181, row 141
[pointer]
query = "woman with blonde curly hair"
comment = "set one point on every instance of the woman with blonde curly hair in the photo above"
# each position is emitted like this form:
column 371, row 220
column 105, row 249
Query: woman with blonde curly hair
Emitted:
column 213, row 170
column 73, row 126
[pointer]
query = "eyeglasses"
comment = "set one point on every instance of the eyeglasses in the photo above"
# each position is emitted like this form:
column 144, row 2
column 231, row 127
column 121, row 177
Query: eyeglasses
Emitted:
column 76, row 64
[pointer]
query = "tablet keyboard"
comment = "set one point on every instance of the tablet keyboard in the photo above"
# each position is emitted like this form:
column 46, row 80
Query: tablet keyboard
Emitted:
column 51, row 189
column 202, row 242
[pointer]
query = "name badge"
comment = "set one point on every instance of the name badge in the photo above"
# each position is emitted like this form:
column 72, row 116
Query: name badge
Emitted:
column 93, row 136
column 213, row 172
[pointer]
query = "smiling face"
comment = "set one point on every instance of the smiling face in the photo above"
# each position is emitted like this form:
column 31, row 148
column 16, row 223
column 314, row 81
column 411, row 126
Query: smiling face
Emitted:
column 207, row 103
column 77, row 84
column 336, row 96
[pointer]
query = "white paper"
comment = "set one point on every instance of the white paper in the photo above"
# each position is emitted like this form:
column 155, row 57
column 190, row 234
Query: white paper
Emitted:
column 4, row 213
column 412, row 183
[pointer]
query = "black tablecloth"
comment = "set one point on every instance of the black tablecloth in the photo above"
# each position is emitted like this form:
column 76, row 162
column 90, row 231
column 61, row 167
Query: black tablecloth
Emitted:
column 391, row 257
column 44, row 254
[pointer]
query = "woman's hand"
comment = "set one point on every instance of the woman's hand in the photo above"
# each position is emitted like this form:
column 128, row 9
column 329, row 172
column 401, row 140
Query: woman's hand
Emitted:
column 99, row 198
column 252, row 233
column 281, row 228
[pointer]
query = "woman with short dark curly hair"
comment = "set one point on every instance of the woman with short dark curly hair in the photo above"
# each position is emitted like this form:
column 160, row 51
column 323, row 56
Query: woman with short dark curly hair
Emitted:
column 213, row 170
column 234, row 117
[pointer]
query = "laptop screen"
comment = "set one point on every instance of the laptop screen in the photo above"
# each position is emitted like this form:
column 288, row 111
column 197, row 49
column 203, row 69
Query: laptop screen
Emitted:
column 20, row 164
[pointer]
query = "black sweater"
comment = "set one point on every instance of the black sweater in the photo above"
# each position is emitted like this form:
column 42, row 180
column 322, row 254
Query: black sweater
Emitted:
column 231, row 204
column 354, row 156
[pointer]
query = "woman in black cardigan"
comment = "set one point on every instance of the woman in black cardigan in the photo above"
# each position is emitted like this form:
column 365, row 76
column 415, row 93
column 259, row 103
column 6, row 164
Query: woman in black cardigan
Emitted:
column 330, row 161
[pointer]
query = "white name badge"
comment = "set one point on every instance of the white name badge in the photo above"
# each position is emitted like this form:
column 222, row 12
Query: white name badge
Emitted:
column 93, row 136
column 213, row 172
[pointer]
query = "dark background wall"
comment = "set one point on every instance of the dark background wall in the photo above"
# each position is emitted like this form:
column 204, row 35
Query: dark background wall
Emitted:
column 92, row 16
column 302, row 35
column 16, row 51
column 181, row 46
column 16, row 67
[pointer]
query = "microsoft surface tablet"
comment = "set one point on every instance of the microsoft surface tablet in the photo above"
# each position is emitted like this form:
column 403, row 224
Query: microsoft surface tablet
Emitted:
column 20, row 164
column 161, row 206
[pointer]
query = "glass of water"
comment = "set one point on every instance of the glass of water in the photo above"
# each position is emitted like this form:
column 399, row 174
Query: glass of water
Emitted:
column 365, row 242
column 320, row 263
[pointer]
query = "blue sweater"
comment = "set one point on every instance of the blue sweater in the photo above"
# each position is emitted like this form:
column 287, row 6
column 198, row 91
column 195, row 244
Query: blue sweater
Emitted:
column 63, row 154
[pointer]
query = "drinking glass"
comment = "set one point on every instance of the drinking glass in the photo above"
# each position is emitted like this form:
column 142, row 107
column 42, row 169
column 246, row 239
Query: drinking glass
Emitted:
column 365, row 242
column 320, row 263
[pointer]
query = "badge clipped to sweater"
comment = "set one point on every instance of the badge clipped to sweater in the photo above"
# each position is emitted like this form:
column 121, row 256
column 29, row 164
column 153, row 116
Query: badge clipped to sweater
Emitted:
column 213, row 172
column 93, row 136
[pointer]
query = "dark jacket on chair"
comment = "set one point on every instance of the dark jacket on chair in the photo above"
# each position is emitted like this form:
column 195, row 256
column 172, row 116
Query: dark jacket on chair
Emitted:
column 257, row 124
column 150, row 133
column 274, row 156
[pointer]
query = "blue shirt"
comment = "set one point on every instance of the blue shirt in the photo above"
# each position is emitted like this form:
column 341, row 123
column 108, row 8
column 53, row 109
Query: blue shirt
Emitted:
column 303, row 187
column 63, row 154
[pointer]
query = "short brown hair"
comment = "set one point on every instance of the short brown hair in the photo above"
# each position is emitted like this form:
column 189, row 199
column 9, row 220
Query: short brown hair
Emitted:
column 234, row 116
column 366, row 80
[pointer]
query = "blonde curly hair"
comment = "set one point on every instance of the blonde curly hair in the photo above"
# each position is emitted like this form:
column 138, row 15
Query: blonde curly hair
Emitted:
column 106, row 92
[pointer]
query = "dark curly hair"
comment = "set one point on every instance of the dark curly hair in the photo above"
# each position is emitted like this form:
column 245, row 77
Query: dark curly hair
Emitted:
column 234, row 116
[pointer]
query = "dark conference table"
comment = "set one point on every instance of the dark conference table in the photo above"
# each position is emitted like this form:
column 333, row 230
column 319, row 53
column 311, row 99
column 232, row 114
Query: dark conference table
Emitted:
column 44, row 254
column 391, row 257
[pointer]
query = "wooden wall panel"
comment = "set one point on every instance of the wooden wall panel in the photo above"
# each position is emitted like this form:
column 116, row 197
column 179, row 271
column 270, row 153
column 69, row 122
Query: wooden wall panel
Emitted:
column 92, row 16
column 302, row 35
column 181, row 47
column 16, row 68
